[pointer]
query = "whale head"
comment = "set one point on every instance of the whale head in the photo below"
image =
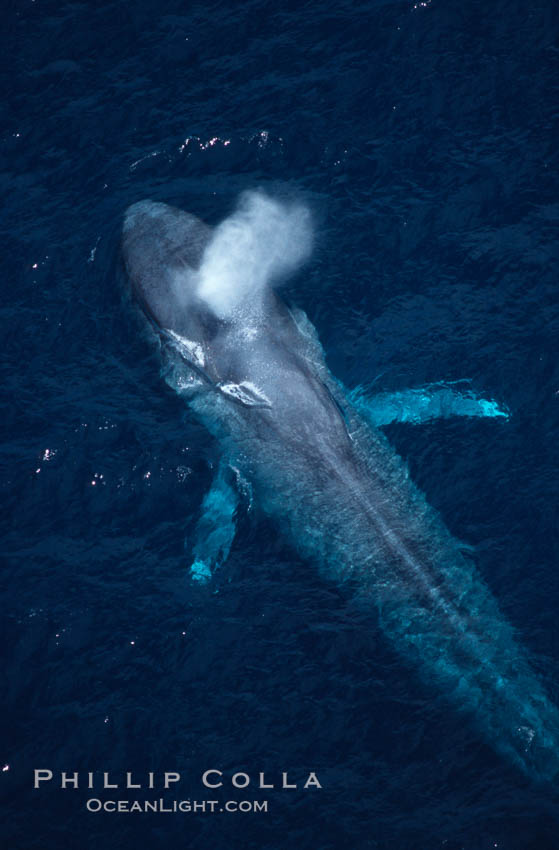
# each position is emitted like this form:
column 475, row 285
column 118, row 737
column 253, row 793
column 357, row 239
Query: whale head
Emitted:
column 211, row 289
column 162, row 248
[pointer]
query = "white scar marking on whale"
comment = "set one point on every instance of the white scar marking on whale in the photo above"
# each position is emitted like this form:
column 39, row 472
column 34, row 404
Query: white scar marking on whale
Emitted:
column 192, row 350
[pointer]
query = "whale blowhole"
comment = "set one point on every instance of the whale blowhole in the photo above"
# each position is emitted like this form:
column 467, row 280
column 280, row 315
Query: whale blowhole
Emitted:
column 260, row 243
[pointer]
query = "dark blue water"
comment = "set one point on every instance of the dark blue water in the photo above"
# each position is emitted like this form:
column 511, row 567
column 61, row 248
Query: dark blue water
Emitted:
column 424, row 138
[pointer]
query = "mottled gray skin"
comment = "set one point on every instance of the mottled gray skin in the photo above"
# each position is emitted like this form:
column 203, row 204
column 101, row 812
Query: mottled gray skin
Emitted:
column 158, row 242
column 339, row 492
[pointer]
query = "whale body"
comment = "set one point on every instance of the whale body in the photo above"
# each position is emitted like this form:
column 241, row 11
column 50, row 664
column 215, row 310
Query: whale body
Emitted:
column 252, row 368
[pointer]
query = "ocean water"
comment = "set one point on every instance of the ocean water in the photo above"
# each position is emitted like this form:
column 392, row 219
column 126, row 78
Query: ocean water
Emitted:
column 423, row 137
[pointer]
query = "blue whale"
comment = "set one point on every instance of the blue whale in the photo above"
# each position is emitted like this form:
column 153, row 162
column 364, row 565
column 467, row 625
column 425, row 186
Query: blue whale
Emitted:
column 253, row 370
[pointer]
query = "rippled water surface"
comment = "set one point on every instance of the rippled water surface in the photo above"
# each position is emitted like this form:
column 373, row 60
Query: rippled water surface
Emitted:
column 423, row 137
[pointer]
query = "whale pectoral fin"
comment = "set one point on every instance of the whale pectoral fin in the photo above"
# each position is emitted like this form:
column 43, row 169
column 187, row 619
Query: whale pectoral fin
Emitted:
column 216, row 527
column 416, row 406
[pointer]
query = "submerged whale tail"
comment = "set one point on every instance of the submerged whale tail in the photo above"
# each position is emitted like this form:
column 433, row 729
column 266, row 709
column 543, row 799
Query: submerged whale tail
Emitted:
column 435, row 608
